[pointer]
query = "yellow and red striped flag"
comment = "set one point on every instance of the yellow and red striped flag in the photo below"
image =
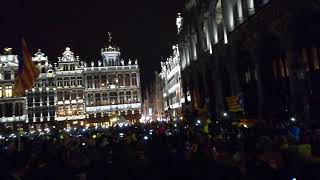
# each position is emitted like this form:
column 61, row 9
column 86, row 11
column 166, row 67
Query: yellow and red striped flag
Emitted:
column 27, row 72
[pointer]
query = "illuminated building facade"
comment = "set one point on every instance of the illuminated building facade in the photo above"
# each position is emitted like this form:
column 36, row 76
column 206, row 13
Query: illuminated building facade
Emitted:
column 12, row 109
column 171, row 75
column 112, row 86
column 70, row 89
column 267, row 50
column 41, row 99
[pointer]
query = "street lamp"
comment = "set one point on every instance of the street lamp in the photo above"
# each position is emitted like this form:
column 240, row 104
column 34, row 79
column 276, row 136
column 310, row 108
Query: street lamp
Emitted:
column 225, row 114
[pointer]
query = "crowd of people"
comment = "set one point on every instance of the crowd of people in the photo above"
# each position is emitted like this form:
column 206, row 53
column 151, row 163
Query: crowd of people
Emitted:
column 160, row 150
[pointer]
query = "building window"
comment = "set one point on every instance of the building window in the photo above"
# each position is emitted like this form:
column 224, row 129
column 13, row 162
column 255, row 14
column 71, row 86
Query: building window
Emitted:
column 128, row 96
column 65, row 67
column 44, row 83
column 51, row 98
column 80, row 95
column 90, row 100
column 1, row 93
column 103, row 81
column 120, row 79
column 66, row 82
column 105, row 98
column 113, row 97
column 112, row 79
column 51, row 83
column 79, row 79
column 73, row 81
column 73, row 95
column 98, row 99
column 122, row 97
column 30, row 99
column 7, row 75
column 59, row 82
column 66, row 95
column 89, row 82
column 60, row 96
column 72, row 67
column 127, row 79
column 74, row 110
column 8, row 91
column 96, row 82
column 134, row 79
column 61, row 111
column 44, row 98
column 80, row 109
column 135, row 97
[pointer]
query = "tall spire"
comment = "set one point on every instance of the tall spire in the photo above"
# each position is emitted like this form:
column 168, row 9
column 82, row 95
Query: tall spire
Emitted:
column 109, row 37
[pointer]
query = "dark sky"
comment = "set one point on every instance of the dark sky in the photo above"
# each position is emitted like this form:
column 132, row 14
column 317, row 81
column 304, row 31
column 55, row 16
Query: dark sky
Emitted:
column 143, row 29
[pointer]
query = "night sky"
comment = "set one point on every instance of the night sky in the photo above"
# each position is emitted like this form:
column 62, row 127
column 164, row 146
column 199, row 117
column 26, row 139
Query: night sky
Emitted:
column 143, row 29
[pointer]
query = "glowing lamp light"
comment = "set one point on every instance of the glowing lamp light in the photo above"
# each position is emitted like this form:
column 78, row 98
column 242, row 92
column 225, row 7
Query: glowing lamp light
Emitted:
column 198, row 122
column 293, row 119
column 145, row 137
column 94, row 136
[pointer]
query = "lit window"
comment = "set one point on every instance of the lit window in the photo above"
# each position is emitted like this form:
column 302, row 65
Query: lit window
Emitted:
column 79, row 81
column 8, row 91
column 89, row 82
column 113, row 97
column 128, row 96
column 1, row 92
column 121, row 94
column 134, row 79
column 127, row 79
column 96, row 82
column 135, row 96
column 104, row 98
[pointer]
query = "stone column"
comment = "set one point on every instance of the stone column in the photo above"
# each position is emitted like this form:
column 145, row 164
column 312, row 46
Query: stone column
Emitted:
column 240, row 11
column 251, row 8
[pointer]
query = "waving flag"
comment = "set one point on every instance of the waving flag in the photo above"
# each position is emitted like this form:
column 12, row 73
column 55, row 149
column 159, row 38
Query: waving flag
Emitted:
column 235, row 103
column 27, row 72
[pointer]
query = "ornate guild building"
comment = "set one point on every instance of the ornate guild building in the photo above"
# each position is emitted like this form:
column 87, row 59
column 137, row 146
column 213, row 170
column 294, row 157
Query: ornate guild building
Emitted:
column 172, row 91
column 72, row 90
column 12, row 109
column 69, row 83
column 41, row 100
column 112, row 86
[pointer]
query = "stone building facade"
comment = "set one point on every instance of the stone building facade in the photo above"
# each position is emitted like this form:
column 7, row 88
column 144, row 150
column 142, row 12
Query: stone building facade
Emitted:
column 71, row 90
column 41, row 99
column 12, row 109
column 112, row 86
column 266, row 49
column 173, row 97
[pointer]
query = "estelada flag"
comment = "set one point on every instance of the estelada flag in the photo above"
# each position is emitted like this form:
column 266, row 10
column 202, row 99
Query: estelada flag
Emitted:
column 27, row 72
